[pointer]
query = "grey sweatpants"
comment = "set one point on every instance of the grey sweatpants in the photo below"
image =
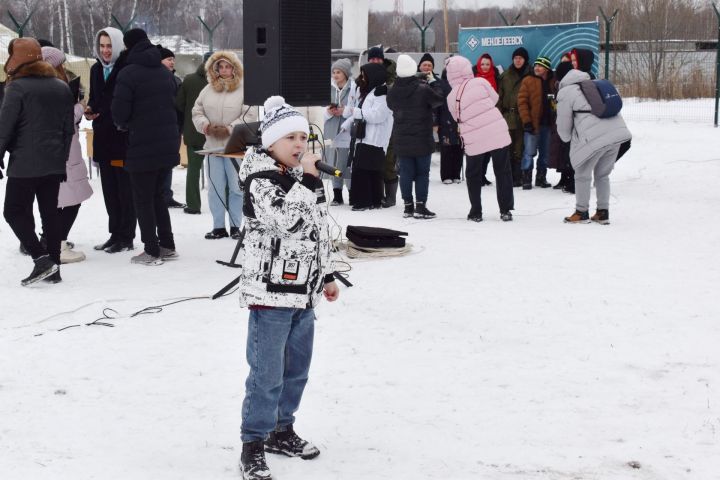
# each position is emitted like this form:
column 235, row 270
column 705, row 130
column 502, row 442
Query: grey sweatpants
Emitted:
column 600, row 164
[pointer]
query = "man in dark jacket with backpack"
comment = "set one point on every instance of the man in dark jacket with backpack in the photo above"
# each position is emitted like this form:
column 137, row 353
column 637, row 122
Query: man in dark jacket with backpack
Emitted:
column 412, row 101
column 594, row 146
column 144, row 104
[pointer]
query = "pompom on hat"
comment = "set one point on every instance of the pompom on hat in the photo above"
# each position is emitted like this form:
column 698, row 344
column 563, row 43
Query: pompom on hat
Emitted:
column 280, row 119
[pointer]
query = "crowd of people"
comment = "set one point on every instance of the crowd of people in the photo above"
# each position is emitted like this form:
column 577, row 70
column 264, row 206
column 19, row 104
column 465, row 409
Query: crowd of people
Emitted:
column 478, row 115
column 382, row 125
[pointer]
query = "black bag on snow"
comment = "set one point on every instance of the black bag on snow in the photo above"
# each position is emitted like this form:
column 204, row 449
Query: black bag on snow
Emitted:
column 375, row 237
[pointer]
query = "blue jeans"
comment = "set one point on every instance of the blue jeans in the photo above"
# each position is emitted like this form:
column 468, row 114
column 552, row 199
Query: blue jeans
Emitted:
column 533, row 144
column 414, row 169
column 279, row 349
column 224, row 192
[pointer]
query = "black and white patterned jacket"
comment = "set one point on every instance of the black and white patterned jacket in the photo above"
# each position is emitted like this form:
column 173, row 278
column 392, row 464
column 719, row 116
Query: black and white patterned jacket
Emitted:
column 286, row 248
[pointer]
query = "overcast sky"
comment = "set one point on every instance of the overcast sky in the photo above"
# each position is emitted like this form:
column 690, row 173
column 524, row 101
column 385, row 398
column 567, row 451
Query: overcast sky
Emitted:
column 416, row 5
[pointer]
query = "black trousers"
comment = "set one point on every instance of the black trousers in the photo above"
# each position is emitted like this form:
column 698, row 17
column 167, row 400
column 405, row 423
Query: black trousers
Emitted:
column 148, row 189
column 366, row 188
column 451, row 159
column 118, row 197
column 503, row 179
column 20, row 195
column 67, row 219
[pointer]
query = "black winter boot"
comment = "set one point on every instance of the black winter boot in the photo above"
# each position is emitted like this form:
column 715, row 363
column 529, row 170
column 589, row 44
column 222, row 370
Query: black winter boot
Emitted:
column 561, row 183
column 409, row 210
column 540, row 178
column 252, row 462
column 337, row 197
column 527, row 179
column 390, row 193
column 421, row 211
column 44, row 267
column 290, row 444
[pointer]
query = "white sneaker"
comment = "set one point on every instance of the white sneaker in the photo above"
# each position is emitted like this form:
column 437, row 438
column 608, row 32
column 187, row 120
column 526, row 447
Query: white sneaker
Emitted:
column 448, row 181
column 68, row 255
column 457, row 180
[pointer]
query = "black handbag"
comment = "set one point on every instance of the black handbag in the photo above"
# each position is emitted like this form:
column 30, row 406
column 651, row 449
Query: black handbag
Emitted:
column 357, row 130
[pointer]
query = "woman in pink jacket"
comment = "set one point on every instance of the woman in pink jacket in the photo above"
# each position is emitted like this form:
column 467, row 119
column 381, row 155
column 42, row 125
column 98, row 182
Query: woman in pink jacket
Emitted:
column 76, row 188
column 483, row 130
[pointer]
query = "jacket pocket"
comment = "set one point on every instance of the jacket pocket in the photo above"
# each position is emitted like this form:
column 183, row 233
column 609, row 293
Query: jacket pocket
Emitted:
column 290, row 265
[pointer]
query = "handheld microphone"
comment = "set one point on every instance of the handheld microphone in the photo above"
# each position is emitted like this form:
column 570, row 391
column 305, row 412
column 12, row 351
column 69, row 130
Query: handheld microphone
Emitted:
column 329, row 169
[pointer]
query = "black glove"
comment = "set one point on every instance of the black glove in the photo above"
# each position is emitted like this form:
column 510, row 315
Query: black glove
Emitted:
column 528, row 127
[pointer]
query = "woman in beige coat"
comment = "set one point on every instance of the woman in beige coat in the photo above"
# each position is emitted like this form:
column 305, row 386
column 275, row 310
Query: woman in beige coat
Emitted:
column 217, row 110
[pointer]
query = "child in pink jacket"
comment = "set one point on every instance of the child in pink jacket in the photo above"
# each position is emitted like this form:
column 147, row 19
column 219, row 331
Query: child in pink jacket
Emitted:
column 484, row 132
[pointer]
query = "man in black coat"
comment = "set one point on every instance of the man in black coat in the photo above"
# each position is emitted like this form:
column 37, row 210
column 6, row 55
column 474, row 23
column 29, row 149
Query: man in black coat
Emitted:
column 144, row 104
column 36, row 127
column 412, row 101
column 110, row 144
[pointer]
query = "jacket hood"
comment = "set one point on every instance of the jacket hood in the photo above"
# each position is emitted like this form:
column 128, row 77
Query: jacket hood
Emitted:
column 257, row 160
column 116, row 38
column 213, row 77
column 144, row 53
column 375, row 73
column 459, row 69
column 573, row 77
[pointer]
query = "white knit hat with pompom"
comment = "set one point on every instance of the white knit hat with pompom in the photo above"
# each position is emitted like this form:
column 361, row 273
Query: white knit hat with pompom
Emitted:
column 280, row 119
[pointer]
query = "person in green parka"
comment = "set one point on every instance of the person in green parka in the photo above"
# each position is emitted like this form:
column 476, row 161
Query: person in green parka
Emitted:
column 188, row 92
column 508, row 88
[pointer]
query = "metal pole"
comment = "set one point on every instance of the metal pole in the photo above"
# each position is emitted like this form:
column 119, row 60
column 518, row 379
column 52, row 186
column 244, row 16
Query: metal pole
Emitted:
column 717, row 67
column 445, row 18
column 608, row 30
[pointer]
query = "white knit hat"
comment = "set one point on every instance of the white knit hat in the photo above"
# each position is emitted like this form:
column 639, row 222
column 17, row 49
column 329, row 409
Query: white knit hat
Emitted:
column 280, row 119
column 406, row 66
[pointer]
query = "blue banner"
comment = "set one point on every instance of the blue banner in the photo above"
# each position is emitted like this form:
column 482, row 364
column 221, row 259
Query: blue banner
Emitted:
column 550, row 41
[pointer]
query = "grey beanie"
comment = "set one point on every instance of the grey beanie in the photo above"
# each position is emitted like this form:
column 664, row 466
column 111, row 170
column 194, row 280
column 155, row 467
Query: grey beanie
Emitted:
column 344, row 65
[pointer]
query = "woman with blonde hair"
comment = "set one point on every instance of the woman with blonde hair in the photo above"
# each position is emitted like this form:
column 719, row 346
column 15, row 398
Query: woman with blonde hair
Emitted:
column 217, row 110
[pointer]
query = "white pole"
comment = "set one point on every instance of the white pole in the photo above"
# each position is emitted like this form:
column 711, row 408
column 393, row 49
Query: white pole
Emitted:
column 355, row 24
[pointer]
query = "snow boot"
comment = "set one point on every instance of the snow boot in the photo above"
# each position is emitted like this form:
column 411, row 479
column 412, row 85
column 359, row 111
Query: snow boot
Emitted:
column 288, row 443
column 68, row 255
column 540, row 178
column 337, row 197
column 578, row 217
column 409, row 210
column 44, row 267
column 527, row 179
column 421, row 211
column 602, row 216
column 252, row 462
column 390, row 193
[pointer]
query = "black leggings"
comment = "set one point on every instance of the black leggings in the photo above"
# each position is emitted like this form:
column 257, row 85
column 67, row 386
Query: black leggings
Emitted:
column 67, row 219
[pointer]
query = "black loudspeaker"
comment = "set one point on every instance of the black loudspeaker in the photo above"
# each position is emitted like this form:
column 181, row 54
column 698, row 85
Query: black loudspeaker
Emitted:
column 286, row 51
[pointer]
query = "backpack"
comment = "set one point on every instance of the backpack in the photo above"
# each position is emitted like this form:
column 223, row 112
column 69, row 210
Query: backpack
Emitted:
column 603, row 97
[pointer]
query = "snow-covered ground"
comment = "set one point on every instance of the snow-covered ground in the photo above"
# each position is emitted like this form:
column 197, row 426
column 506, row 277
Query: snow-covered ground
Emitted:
column 523, row 350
